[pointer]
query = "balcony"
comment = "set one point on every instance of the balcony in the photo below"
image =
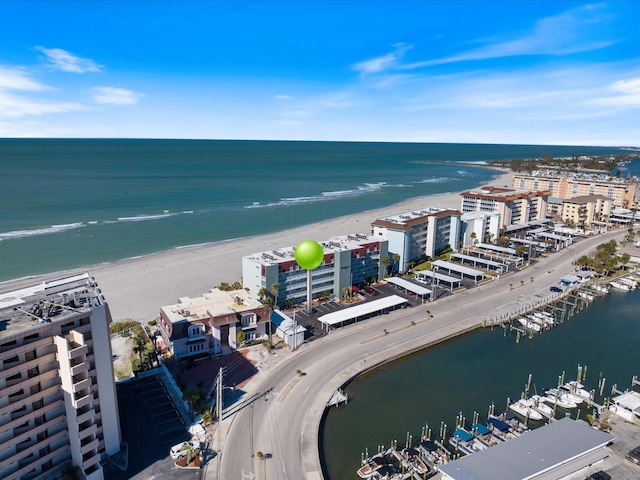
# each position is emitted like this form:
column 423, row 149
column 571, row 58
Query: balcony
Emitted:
column 79, row 368
column 82, row 401
column 84, row 433
column 76, row 352
column 81, row 385
column 92, row 445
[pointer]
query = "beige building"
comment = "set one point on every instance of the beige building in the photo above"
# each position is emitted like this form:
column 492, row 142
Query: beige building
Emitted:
column 211, row 322
column 514, row 205
column 622, row 192
column 583, row 211
column 58, row 404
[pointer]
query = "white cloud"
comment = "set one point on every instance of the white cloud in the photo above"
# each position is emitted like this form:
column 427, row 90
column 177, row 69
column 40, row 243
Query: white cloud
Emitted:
column 15, row 106
column 18, row 79
column 67, row 62
column 626, row 93
column 283, row 97
column 115, row 96
column 386, row 62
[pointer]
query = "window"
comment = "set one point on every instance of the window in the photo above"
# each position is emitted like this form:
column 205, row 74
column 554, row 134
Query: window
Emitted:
column 196, row 330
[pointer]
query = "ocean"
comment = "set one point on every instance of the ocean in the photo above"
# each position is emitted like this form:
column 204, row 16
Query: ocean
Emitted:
column 69, row 203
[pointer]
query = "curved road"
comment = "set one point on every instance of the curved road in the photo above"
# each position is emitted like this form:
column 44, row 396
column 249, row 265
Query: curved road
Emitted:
column 283, row 412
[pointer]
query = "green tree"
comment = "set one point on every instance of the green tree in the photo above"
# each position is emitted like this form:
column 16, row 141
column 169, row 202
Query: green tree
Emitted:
column 385, row 260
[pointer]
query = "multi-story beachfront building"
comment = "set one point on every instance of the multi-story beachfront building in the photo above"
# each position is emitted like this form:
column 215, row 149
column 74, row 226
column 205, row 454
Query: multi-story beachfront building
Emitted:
column 418, row 233
column 58, row 404
column 348, row 260
column 514, row 206
column 211, row 323
column 479, row 227
column 585, row 210
column 622, row 191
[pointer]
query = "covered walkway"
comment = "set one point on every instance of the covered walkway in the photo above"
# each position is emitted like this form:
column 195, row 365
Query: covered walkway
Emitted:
column 364, row 309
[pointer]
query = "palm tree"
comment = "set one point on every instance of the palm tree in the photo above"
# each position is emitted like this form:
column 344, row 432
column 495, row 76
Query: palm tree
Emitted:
column 473, row 238
column 190, row 452
column 396, row 258
column 385, row 260
column 275, row 288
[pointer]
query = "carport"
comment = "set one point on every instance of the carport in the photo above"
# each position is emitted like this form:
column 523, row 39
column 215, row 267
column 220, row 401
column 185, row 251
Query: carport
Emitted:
column 559, row 241
column 438, row 278
column 367, row 308
column 475, row 261
column 463, row 271
column 409, row 286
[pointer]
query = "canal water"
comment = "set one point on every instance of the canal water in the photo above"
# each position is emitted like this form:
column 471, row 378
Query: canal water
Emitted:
column 470, row 373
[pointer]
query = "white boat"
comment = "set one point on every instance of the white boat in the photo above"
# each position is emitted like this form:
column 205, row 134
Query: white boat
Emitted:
column 556, row 397
column 601, row 287
column 577, row 399
column 620, row 286
column 530, row 324
column 586, row 296
column 546, row 318
column 525, row 408
column 466, row 442
column 540, row 406
column 578, row 389
column 628, row 281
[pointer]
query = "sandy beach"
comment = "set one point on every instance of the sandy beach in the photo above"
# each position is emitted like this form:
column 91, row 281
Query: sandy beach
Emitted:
column 137, row 288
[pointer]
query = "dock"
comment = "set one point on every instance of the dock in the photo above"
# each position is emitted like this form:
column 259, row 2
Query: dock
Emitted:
column 337, row 398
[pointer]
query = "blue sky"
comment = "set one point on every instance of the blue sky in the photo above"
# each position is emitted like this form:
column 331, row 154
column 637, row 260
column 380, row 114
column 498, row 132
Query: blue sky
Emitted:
column 544, row 72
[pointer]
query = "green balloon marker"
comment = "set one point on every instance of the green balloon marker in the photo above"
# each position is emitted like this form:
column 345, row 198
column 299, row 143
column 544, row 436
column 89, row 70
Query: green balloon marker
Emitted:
column 309, row 254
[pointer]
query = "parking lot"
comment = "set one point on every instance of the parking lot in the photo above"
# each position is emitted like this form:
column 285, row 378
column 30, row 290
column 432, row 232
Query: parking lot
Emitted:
column 150, row 425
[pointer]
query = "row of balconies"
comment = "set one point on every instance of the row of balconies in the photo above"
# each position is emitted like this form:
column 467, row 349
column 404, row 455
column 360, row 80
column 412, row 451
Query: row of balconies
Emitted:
column 14, row 349
column 29, row 464
column 19, row 384
column 49, row 409
column 13, row 407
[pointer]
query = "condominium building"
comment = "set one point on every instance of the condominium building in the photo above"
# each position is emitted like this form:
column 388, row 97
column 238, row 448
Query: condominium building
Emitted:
column 348, row 260
column 58, row 404
column 623, row 192
column 479, row 227
column 513, row 205
column 211, row 323
column 419, row 233
column 584, row 210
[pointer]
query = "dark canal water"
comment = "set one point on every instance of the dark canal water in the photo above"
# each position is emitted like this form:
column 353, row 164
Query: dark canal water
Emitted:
column 471, row 372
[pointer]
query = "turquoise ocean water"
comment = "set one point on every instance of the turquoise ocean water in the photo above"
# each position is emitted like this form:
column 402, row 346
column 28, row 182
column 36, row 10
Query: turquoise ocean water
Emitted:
column 75, row 203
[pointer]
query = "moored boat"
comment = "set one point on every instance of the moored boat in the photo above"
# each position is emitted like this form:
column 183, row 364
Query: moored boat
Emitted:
column 525, row 408
column 555, row 396
column 530, row 324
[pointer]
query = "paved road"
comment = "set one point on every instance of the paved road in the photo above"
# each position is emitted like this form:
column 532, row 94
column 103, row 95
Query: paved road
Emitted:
column 282, row 416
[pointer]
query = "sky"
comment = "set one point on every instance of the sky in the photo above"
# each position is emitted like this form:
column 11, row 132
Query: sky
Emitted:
column 515, row 72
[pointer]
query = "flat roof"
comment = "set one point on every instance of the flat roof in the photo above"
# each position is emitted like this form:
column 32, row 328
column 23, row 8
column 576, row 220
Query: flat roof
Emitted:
column 438, row 276
column 629, row 400
column 362, row 309
column 212, row 304
column 532, row 453
column 496, row 248
column 471, row 272
column 407, row 285
column 554, row 236
column 477, row 260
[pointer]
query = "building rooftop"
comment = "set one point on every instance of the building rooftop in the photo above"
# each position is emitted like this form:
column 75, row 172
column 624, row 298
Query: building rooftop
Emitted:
column 340, row 243
column 47, row 302
column 532, row 453
column 414, row 217
column 215, row 303
column 584, row 199
column 503, row 193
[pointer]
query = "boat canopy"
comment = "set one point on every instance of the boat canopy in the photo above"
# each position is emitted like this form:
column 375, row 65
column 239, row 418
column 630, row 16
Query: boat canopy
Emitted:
column 499, row 424
column 463, row 435
column 480, row 429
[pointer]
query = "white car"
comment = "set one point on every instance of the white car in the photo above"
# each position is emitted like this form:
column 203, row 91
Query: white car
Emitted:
column 179, row 450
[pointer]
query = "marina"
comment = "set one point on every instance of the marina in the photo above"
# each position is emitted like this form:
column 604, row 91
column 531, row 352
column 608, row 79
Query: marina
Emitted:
column 575, row 341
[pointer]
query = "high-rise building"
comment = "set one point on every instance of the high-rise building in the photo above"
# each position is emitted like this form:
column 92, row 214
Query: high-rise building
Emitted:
column 514, row 206
column 58, row 404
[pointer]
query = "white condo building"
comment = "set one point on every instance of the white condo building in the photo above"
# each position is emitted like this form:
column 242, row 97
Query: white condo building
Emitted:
column 58, row 404
column 479, row 227
column 418, row 233
column 348, row 260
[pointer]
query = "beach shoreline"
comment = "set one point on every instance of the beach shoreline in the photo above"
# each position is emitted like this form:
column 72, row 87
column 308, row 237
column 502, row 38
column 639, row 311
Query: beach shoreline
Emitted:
column 136, row 288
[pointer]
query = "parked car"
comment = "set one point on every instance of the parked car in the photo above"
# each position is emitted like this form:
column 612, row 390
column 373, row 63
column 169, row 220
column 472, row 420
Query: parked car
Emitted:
column 555, row 289
column 178, row 451
column 634, row 455
column 599, row 476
